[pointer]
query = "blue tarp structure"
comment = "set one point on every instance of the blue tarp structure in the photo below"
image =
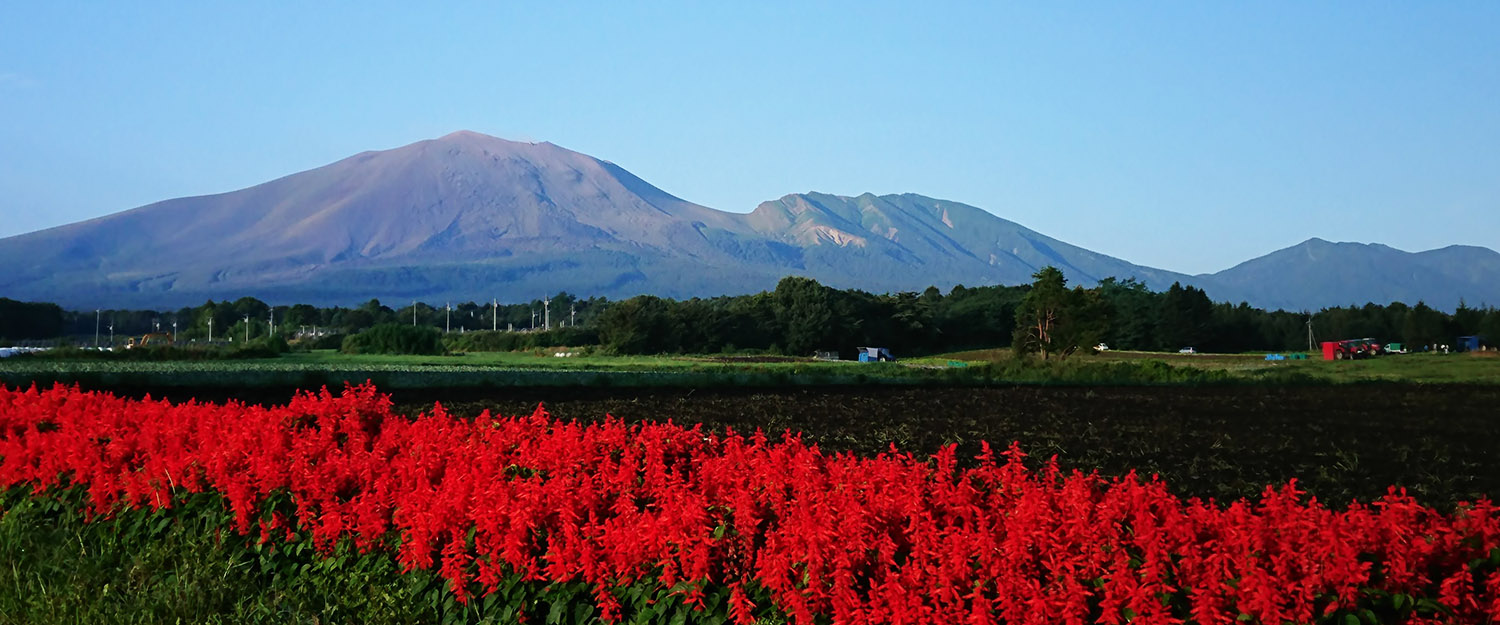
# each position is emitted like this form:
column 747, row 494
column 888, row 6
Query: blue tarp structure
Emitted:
column 1470, row 344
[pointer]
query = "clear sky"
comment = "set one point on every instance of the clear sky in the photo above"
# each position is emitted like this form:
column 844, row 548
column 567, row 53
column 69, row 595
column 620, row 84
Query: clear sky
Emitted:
column 1187, row 136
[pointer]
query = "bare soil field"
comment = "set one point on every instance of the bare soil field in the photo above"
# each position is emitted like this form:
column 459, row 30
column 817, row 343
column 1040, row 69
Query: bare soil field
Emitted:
column 1341, row 442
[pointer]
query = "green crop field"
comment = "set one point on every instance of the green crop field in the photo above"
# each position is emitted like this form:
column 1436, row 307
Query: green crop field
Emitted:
column 1475, row 368
column 543, row 369
column 311, row 370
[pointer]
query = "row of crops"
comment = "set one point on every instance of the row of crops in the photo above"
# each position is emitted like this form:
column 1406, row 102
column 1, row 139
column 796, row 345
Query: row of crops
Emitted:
column 420, row 375
column 533, row 513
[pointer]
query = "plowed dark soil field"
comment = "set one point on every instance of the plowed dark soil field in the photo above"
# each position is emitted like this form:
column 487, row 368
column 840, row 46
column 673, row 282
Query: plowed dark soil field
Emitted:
column 1340, row 442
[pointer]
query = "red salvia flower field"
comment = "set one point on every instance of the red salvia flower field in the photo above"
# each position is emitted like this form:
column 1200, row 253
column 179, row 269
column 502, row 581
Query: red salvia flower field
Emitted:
column 896, row 538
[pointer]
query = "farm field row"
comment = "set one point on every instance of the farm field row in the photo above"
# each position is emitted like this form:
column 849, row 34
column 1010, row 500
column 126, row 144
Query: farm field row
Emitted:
column 510, row 369
column 304, row 370
column 1441, row 442
column 1479, row 368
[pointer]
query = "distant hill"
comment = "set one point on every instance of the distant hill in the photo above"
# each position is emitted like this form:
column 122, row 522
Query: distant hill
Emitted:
column 1317, row 274
column 470, row 217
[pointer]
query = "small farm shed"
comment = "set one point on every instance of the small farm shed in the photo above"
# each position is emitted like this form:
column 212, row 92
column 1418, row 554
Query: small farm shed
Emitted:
column 1470, row 344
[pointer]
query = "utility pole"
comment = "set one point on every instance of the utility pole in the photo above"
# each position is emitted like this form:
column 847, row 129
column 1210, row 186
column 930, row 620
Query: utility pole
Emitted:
column 174, row 332
column 96, row 328
column 1309, row 333
column 414, row 313
column 547, row 314
column 448, row 320
column 271, row 325
column 111, row 336
column 210, row 328
column 533, row 319
column 495, row 323
column 247, row 327
column 573, row 315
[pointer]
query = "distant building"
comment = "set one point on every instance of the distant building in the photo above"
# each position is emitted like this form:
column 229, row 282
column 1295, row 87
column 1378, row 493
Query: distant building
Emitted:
column 1471, row 344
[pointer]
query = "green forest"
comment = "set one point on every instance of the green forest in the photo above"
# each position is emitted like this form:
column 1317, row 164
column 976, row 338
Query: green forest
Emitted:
column 799, row 317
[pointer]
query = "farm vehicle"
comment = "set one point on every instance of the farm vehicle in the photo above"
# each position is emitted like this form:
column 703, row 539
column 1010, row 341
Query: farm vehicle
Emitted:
column 152, row 339
column 1352, row 349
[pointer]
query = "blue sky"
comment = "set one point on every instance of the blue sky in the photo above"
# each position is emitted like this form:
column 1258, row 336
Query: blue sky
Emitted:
column 1186, row 136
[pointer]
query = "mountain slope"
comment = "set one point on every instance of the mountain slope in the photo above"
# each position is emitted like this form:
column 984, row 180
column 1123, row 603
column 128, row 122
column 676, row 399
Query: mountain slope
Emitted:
column 1317, row 274
column 469, row 217
column 389, row 223
column 886, row 238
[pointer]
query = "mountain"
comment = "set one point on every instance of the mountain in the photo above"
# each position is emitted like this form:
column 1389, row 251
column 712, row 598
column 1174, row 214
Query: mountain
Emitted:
column 1318, row 274
column 880, row 242
column 465, row 216
column 470, row 217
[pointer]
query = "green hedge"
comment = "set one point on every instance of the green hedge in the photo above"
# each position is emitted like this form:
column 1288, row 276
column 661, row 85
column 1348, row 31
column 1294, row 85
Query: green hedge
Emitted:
column 395, row 338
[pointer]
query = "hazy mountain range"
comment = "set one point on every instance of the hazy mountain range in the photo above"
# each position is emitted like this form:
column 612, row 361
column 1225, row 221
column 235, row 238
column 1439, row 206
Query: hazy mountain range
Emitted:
column 471, row 217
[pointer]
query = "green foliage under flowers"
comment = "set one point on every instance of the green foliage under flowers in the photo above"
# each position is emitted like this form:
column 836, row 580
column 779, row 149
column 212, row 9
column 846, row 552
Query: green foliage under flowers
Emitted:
column 186, row 564
column 394, row 338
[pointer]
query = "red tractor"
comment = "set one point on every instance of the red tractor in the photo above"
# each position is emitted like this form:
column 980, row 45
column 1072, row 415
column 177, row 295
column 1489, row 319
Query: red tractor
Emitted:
column 1351, row 349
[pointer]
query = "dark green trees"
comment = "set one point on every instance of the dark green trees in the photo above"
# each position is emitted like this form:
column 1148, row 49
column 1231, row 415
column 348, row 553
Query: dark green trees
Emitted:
column 1134, row 315
column 1489, row 326
column 1186, row 319
column 804, row 312
column 27, row 320
column 1424, row 326
column 395, row 338
column 639, row 325
column 1055, row 320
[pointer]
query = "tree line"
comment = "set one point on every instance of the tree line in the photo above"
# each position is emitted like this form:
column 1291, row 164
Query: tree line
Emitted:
column 800, row 317
column 1127, row 315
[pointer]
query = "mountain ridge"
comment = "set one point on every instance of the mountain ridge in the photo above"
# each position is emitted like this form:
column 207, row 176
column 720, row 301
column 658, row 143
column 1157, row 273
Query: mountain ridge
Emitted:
column 469, row 216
